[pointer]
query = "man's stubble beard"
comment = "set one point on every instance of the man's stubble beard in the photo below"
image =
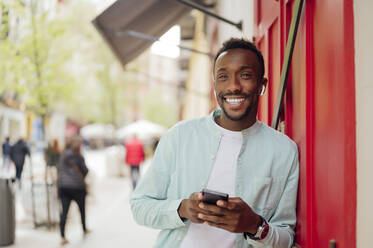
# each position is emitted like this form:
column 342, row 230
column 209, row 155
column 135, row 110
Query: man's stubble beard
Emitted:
column 245, row 114
column 249, row 97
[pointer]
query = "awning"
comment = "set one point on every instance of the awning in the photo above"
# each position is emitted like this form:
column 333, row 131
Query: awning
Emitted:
column 150, row 17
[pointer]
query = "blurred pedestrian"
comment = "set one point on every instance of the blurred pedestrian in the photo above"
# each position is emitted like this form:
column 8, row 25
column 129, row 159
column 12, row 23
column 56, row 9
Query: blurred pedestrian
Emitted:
column 18, row 153
column 6, row 147
column 52, row 155
column 72, row 171
column 134, row 157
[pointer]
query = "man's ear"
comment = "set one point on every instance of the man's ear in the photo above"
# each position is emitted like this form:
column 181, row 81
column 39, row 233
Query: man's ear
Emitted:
column 264, row 86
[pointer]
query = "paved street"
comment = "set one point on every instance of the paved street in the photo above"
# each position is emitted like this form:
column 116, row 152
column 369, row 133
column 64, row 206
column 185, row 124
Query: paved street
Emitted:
column 108, row 216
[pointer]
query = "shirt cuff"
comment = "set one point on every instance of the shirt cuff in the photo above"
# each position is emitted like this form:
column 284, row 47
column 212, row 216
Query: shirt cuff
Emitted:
column 172, row 210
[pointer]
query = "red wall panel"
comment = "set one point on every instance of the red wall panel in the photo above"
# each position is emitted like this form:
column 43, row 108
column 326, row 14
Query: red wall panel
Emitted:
column 319, row 112
column 263, row 110
column 274, row 62
column 334, row 134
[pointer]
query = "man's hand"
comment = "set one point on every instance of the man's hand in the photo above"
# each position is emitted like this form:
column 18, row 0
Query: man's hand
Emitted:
column 233, row 215
column 189, row 208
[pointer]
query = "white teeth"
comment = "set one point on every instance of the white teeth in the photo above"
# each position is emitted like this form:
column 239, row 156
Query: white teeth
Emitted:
column 235, row 100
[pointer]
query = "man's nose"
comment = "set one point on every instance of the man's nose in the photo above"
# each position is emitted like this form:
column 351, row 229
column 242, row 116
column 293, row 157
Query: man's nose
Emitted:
column 235, row 84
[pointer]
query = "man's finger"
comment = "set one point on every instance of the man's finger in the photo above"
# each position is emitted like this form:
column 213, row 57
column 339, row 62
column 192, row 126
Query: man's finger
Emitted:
column 222, row 204
column 194, row 196
column 215, row 210
column 197, row 210
column 231, row 204
column 218, row 225
column 234, row 203
column 212, row 218
column 200, row 196
column 235, row 199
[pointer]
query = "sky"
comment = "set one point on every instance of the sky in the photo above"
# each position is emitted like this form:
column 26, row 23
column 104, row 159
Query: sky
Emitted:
column 168, row 45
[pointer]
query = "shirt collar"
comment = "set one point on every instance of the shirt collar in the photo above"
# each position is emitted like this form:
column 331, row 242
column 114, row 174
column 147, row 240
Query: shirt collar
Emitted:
column 246, row 132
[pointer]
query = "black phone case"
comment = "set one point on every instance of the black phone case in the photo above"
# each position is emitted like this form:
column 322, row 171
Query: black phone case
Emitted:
column 211, row 197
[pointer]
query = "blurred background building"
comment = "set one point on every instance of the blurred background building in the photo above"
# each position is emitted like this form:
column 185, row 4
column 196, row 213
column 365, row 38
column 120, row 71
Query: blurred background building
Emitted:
column 152, row 60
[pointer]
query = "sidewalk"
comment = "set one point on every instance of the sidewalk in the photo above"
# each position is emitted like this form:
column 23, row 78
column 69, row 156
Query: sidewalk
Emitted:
column 108, row 216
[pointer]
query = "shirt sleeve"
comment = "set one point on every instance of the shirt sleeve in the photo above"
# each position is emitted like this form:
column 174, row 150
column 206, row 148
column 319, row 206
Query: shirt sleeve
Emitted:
column 282, row 223
column 149, row 202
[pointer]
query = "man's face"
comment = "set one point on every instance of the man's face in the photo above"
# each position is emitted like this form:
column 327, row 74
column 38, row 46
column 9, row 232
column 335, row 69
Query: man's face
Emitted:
column 237, row 83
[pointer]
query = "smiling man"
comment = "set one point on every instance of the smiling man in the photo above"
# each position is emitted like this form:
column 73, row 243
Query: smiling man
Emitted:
column 231, row 152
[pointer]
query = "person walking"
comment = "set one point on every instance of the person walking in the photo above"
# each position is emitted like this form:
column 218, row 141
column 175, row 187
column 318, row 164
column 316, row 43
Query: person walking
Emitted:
column 231, row 152
column 6, row 147
column 134, row 157
column 72, row 171
column 18, row 153
column 52, row 156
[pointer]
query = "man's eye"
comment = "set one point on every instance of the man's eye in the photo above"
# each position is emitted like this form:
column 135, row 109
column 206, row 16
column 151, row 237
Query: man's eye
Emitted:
column 246, row 75
column 222, row 77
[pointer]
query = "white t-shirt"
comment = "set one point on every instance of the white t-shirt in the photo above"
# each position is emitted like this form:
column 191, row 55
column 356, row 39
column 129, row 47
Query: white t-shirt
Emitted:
column 222, row 178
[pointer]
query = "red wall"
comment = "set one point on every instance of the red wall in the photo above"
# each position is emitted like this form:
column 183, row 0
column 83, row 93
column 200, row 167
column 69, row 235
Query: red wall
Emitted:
column 319, row 111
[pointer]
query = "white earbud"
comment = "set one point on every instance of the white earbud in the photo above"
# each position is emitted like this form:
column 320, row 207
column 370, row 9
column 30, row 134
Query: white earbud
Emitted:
column 263, row 90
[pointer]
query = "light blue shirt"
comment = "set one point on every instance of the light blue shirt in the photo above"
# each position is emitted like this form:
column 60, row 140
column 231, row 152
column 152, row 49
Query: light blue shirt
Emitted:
column 266, row 179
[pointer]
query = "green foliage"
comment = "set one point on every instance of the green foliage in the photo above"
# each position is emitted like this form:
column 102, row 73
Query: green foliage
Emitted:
column 157, row 111
column 99, row 95
column 10, row 60
column 33, row 62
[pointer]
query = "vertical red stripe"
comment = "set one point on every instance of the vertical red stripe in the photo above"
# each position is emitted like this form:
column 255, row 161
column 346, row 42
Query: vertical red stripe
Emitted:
column 319, row 113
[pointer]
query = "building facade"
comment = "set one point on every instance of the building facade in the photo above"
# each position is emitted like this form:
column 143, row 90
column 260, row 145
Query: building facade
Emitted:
column 326, row 111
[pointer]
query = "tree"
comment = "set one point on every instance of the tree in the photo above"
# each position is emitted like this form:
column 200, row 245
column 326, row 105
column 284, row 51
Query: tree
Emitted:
column 34, row 63
column 11, row 65
column 45, row 60
column 102, row 81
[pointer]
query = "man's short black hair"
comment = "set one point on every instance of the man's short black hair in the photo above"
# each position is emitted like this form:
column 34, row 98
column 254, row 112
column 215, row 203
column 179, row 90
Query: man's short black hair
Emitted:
column 235, row 43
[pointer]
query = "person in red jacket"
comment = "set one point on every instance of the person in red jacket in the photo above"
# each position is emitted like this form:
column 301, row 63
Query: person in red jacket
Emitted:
column 134, row 157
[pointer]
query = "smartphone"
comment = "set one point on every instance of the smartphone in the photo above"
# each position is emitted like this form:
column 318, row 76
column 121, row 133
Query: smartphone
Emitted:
column 211, row 196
